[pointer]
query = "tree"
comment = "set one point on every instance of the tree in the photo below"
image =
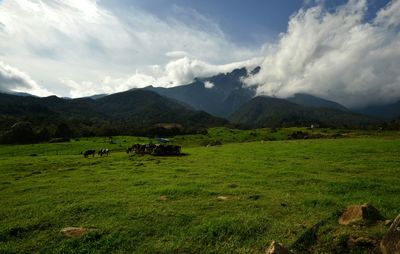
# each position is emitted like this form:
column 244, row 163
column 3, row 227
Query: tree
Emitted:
column 63, row 131
column 44, row 134
column 20, row 132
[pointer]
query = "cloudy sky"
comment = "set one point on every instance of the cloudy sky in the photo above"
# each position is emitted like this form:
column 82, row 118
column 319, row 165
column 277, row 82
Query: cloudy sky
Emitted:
column 348, row 51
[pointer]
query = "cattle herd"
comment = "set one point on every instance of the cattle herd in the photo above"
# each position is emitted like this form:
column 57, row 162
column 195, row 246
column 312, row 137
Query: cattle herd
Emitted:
column 151, row 149
column 154, row 149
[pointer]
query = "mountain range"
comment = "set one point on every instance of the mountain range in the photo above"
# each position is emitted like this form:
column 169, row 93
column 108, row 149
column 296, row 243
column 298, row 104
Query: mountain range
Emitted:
column 220, row 95
column 227, row 94
column 220, row 100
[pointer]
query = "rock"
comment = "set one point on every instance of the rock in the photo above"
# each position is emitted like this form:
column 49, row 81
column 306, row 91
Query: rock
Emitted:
column 306, row 240
column 73, row 231
column 223, row 198
column 388, row 222
column 277, row 248
column 254, row 197
column 359, row 213
column 391, row 241
column 366, row 242
column 163, row 198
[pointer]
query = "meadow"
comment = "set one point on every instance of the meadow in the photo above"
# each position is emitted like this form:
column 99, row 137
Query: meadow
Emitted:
column 257, row 186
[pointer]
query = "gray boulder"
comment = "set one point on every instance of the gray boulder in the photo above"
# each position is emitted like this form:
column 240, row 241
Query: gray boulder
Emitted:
column 391, row 241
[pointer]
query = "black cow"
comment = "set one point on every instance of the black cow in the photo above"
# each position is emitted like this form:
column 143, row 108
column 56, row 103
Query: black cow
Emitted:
column 89, row 152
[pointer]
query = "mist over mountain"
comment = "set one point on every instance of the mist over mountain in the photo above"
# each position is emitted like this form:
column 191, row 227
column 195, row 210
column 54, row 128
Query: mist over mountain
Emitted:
column 220, row 100
column 218, row 95
column 223, row 94
column 341, row 54
column 343, row 51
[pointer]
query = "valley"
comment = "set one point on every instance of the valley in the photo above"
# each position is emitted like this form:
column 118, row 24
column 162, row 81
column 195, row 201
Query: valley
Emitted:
column 234, row 197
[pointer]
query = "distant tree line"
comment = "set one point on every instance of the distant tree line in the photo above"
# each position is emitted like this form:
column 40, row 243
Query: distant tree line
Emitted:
column 24, row 132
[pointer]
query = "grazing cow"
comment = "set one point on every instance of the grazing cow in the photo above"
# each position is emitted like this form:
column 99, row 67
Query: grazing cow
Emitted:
column 104, row 152
column 89, row 152
column 149, row 149
column 133, row 148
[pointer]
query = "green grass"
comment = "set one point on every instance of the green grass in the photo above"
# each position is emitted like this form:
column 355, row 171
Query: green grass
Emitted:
column 276, row 191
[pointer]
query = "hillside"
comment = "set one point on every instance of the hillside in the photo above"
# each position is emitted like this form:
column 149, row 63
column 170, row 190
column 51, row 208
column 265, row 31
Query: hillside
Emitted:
column 386, row 111
column 119, row 113
column 147, row 108
column 316, row 102
column 272, row 112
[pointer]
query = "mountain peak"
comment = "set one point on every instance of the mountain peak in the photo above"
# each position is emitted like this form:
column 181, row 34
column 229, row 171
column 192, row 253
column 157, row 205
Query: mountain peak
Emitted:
column 255, row 70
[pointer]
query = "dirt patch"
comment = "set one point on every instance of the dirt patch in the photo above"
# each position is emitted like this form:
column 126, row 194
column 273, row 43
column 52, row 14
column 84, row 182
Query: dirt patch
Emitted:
column 75, row 231
column 163, row 198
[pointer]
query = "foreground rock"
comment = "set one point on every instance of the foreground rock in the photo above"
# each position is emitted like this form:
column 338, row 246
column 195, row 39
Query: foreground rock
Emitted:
column 388, row 222
column 360, row 213
column 391, row 241
column 364, row 242
column 276, row 248
column 164, row 198
column 75, row 232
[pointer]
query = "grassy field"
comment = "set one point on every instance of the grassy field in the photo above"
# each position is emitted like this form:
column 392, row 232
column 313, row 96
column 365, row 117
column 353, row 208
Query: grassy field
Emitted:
column 273, row 190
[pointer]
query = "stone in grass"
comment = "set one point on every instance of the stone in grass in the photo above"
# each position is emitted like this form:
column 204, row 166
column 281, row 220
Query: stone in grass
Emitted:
column 163, row 198
column 277, row 248
column 391, row 241
column 365, row 242
column 360, row 213
column 388, row 222
column 222, row 198
column 75, row 231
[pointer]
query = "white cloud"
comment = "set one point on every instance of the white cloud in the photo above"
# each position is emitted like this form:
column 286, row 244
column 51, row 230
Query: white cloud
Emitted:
column 81, row 41
column 177, row 54
column 12, row 79
column 208, row 84
column 184, row 70
column 79, row 48
column 336, row 55
column 177, row 72
column 389, row 16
